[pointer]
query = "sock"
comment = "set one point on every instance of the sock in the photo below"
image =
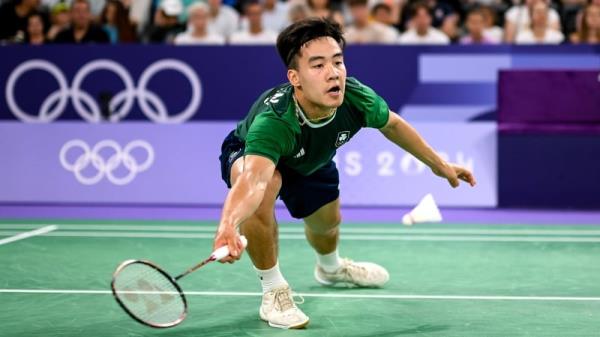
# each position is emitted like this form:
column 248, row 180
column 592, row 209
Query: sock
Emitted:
column 271, row 278
column 329, row 262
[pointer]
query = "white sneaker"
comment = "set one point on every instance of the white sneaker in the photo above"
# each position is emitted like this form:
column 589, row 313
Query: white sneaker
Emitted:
column 280, row 311
column 362, row 274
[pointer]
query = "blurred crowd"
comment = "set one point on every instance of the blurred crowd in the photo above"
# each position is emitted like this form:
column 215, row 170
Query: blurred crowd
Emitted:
column 218, row 22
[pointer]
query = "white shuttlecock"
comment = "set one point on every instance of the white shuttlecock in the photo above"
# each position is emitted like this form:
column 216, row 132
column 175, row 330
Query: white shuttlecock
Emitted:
column 425, row 211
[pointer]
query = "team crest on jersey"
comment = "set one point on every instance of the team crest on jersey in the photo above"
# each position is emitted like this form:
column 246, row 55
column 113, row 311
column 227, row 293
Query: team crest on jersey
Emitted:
column 342, row 138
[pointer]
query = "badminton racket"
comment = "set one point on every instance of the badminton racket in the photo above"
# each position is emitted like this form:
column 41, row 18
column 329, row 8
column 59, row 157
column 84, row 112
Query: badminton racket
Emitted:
column 150, row 295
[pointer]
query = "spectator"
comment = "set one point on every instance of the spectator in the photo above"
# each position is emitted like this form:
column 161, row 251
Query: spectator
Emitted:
column 324, row 9
column 139, row 13
column 365, row 31
column 387, row 12
column 13, row 18
column 320, row 8
column 540, row 31
column 518, row 18
column 476, row 28
column 96, row 6
column 115, row 21
column 382, row 13
column 275, row 16
column 422, row 32
column 492, row 31
column 570, row 15
column 223, row 20
column 82, row 30
column 198, row 32
column 443, row 17
column 36, row 32
column 166, row 22
column 255, row 34
column 589, row 29
column 60, row 19
column 298, row 12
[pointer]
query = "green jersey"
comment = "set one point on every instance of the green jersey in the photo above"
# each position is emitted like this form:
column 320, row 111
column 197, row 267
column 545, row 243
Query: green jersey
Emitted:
column 274, row 128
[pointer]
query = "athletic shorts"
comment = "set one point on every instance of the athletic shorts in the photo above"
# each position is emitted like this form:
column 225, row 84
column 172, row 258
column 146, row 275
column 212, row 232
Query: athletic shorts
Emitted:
column 302, row 195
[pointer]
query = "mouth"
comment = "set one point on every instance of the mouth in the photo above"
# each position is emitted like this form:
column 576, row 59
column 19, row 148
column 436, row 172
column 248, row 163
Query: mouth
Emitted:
column 335, row 90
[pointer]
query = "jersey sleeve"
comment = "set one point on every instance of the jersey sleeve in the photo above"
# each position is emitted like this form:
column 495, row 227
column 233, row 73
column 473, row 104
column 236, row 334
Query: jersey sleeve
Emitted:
column 270, row 137
column 365, row 100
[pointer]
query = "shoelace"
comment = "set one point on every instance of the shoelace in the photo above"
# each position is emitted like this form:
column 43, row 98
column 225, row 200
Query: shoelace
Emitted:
column 283, row 300
column 350, row 270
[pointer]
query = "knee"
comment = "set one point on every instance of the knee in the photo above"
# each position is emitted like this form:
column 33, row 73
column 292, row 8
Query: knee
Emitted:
column 326, row 225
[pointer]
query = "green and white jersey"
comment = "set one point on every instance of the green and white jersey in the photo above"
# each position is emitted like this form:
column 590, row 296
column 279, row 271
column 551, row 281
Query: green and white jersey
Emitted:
column 274, row 129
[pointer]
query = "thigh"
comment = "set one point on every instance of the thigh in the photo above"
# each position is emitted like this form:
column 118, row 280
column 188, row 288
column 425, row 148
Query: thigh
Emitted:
column 325, row 218
column 305, row 195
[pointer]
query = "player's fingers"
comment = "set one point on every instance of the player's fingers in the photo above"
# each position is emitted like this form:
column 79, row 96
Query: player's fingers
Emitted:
column 234, row 251
column 468, row 177
column 453, row 181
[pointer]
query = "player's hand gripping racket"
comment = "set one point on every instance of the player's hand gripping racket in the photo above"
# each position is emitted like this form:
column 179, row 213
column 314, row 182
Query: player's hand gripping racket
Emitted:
column 150, row 295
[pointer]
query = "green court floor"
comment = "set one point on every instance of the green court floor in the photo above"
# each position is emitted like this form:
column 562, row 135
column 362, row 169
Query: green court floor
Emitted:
column 446, row 280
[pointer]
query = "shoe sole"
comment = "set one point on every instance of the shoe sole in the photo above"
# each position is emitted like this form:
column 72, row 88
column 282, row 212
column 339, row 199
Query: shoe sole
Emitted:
column 297, row 326
column 273, row 325
column 321, row 281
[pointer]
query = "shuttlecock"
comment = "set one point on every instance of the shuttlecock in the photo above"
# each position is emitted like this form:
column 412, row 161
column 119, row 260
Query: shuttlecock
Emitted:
column 425, row 211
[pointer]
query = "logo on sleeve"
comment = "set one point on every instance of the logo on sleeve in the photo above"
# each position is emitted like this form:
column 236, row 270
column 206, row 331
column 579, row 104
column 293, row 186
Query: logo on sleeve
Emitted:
column 342, row 138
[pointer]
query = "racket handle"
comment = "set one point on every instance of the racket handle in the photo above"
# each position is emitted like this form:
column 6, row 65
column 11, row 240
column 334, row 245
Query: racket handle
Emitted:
column 224, row 251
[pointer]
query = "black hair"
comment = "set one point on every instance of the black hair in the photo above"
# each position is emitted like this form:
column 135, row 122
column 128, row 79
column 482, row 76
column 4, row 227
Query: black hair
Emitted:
column 382, row 6
column 296, row 35
column 417, row 6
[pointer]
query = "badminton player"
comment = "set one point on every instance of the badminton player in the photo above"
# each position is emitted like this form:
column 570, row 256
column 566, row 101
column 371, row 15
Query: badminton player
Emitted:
column 284, row 148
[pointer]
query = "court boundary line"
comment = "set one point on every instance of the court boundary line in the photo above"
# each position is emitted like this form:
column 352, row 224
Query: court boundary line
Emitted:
column 165, row 235
column 324, row 295
column 348, row 230
column 24, row 235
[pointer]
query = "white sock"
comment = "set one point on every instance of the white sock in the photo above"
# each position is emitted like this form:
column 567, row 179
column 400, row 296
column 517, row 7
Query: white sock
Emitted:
column 271, row 278
column 329, row 262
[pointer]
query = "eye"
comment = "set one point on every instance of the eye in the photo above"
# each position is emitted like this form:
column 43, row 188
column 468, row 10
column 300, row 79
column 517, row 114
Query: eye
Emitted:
column 339, row 63
column 318, row 66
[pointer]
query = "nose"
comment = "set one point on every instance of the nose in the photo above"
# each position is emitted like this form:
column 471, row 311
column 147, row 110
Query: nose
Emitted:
column 333, row 72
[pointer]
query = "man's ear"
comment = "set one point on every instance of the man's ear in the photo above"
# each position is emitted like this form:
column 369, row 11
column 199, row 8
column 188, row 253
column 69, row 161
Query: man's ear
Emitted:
column 293, row 77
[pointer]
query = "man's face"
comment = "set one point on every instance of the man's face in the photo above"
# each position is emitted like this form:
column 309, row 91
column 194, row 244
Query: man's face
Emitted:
column 321, row 73
column 592, row 17
column 475, row 24
column 360, row 14
column 254, row 14
column 382, row 15
column 199, row 19
column 80, row 14
column 539, row 14
column 35, row 25
column 422, row 19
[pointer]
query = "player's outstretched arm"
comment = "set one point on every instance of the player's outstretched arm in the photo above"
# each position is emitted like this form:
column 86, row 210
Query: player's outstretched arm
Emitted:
column 404, row 135
column 242, row 201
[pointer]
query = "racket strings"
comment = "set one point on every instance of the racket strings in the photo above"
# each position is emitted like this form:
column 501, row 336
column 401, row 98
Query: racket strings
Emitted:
column 149, row 295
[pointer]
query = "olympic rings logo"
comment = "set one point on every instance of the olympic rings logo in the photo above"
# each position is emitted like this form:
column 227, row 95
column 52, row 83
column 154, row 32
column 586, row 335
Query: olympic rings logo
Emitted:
column 120, row 105
column 105, row 167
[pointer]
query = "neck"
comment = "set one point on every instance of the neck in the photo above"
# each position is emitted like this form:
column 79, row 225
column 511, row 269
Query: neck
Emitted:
column 255, row 29
column 476, row 37
column 313, row 112
column 36, row 39
column 539, row 31
column 214, row 11
column 422, row 32
column 199, row 32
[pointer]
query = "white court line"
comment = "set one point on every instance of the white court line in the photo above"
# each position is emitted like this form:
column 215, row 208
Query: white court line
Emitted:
column 21, row 236
column 325, row 295
column 155, row 235
column 347, row 230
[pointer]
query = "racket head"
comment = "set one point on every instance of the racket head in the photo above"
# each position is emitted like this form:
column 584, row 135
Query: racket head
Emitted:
column 148, row 294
